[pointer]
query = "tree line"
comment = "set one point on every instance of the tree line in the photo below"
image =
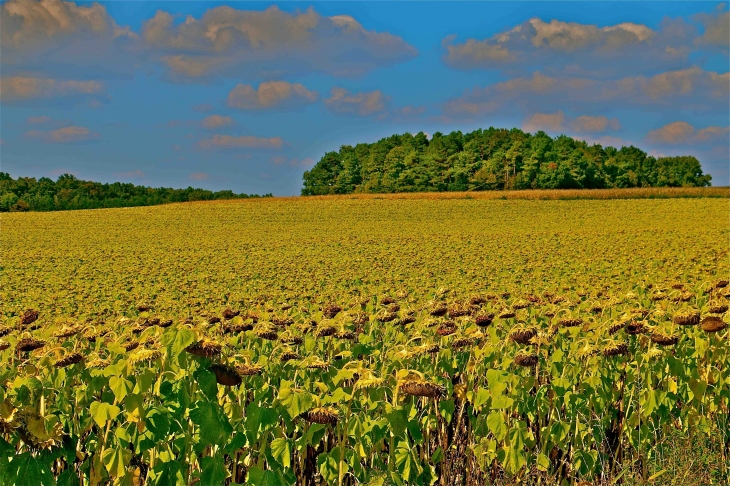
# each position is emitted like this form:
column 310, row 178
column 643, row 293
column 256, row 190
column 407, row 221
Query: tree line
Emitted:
column 69, row 192
column 493, row 159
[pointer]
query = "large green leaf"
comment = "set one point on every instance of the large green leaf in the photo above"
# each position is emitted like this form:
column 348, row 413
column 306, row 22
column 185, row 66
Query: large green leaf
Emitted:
column 115, row 460
column 176, row 339
column 102, row 412
column 213, row 425
column 295, row 401
column 120, row 386
column 28, row 470
column 281, row 451
column 213, row 471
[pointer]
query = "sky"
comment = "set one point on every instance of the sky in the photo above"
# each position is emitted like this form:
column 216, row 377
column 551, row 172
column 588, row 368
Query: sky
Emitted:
column 248, row 95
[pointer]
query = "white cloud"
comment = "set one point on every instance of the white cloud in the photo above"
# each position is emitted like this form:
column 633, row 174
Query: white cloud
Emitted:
column 682, row 132
column 217, row 121
column 692, row 88
column 369, row 103
column 271, row 94
column 229, row 41
column 20, row 88
column 68, row 134
column 226, row 141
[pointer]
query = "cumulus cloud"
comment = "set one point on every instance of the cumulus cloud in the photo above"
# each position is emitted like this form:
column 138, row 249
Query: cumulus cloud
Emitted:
column 558, row 122
column 229, row 41
column 557, row 43
column 368, row 103
column 22, row 88
column 64, row 135
column 550, row 122
column 682, row 132
column 55, row 35
column 688, row 88
column 271, row 94
column 594, row 124
column 217, row 121
column 198, row 176
column 716, row 28
column 226, row 141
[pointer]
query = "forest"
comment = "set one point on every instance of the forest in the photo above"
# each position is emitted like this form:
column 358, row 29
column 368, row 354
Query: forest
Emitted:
column 493, row 159
column 69, row 192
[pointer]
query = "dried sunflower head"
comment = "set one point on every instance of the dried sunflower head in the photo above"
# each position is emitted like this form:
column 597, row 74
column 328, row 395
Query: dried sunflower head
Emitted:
column 422, row 388
column 322, row 415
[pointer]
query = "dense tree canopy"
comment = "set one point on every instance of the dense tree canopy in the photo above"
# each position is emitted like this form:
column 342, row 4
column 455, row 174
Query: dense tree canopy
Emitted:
column 493, row 159
column 68, row 192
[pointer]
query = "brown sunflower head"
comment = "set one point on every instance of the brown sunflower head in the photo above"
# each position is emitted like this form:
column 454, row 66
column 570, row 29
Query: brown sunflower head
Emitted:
column 570, row 322
column 205, row 349
column 522, row 335
column 712, row 324
column 29, row 317
column 322, row 415
column 423, row 388
column 689, row 318
column 483, row 320
column 29, row 344
column 615, row 349
column 718, row 308
column 663, row 339
column 526, row 359
column 288, row 356
column 249, row 369
column 68, row 360
column 226, row 375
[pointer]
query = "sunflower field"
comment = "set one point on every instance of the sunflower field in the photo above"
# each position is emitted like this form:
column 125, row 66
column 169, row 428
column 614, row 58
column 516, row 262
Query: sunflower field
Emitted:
column 367, row 341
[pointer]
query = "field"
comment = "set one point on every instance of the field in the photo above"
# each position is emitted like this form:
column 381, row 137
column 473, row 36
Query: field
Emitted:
column 372, row 340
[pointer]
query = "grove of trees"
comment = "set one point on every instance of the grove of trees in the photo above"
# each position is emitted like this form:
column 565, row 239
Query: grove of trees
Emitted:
column 68, row 192
column 493, row 159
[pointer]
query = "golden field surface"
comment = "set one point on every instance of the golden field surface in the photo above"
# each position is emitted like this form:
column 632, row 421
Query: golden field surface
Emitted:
column 409, row 339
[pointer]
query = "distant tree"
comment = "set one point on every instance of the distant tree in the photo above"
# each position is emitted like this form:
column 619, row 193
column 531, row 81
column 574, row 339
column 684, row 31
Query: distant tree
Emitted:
column 69, row 192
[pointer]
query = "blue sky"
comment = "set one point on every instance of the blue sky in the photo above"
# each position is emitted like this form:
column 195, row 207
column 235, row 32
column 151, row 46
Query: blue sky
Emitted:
column 247, row 96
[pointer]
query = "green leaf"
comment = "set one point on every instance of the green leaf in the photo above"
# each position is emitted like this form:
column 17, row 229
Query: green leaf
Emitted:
column 213, row 425
column 497, row 425
column 446, row 409
column 296, row 402
column 481, row 398
column 328, row 466
column 259, row 477
column 214, row 471
column 177, row 339
column 398, row 421
column 281, row 451
column 102, row 412
column 120, row 386
column 405, row 461
column 437, row 456
column 26, row 469
column 166, row 474
column 207, row 383
column 500, row 402
column 115, row 460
